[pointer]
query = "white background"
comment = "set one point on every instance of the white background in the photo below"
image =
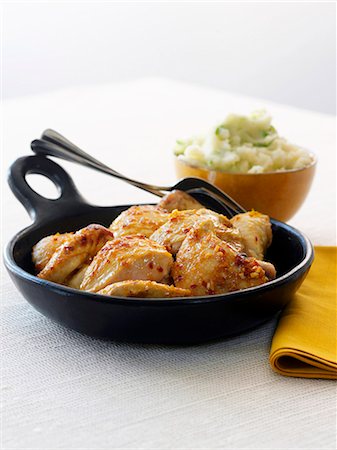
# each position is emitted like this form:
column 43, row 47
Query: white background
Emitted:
column 285, row 52
column 62, row 390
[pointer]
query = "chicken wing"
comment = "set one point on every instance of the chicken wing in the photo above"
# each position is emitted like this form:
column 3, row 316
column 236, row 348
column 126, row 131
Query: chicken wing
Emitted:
column 46, row 247
column 77, row 250
column 127, row 258
column 179, row 200
column 142, row 219
column 143, row 289
column 179, row 223
column 255, row 229
column 207, row 265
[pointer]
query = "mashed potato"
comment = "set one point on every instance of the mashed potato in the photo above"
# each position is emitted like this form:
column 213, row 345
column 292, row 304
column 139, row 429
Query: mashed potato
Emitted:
column 243, row 144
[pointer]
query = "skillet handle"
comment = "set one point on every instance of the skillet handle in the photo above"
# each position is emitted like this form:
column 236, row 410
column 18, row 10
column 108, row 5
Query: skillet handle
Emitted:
column 37, row 206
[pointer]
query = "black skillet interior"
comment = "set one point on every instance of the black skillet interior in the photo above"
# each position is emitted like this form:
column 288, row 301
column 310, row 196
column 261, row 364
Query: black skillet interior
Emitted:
column 169, row 321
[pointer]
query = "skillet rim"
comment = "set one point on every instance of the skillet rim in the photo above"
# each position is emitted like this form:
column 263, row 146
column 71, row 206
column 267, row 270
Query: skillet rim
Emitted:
column 140, row 301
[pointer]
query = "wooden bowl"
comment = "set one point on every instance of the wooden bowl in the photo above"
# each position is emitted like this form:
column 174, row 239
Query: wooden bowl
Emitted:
column 278, row 194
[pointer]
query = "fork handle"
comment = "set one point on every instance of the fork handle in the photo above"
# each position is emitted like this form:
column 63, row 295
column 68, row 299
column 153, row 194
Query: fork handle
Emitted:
column 56, row 138
column 73, row 154
column 54, row 144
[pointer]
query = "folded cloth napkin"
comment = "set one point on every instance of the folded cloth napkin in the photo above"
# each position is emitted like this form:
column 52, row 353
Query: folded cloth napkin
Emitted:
column 305, row 341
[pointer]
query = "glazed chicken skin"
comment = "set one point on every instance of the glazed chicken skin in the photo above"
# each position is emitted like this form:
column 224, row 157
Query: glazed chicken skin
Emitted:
column 256, row 233
column 143, row 289
column 76, row 251
column 46, row 247
column 179, row 200
column 135, row 256
column 179, row 223
column 208, row 265
column 127, row 258
column 142, row 219
column 145, row 219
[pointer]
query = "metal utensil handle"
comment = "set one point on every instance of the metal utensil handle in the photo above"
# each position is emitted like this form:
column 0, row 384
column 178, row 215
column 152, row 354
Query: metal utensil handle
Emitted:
column 56, row 138
column 47, row 148
column 54, row 144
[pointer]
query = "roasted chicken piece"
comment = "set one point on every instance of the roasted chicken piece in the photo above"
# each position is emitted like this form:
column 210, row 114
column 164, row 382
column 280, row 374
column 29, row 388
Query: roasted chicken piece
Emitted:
column 179, row 223
column 179, row 200
column 46, row 247
column 206, row 265
column 143, row 289
column 75, row 279
column 76, row 251
column 255, row 229
column 127, row 258
column 142, row 219
column 269, row 269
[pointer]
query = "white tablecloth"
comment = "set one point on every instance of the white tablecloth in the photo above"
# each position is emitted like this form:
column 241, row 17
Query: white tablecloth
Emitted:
column 62, row 390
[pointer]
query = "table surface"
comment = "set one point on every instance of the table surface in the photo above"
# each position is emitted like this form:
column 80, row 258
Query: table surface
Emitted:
column 62, row 390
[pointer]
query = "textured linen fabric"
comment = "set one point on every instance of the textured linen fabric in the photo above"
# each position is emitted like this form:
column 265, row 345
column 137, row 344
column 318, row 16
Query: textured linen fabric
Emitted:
column 62, row 390
column 305, row 341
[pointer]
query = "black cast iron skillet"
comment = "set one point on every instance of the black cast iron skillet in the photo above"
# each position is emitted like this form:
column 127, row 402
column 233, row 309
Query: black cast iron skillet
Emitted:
column 165, row 321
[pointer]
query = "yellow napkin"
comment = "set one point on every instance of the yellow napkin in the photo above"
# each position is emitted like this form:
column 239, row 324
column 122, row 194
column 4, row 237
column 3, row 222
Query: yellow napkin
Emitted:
column 305, row 341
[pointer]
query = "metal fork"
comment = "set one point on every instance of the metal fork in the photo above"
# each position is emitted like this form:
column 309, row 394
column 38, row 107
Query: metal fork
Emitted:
column 54, row 144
